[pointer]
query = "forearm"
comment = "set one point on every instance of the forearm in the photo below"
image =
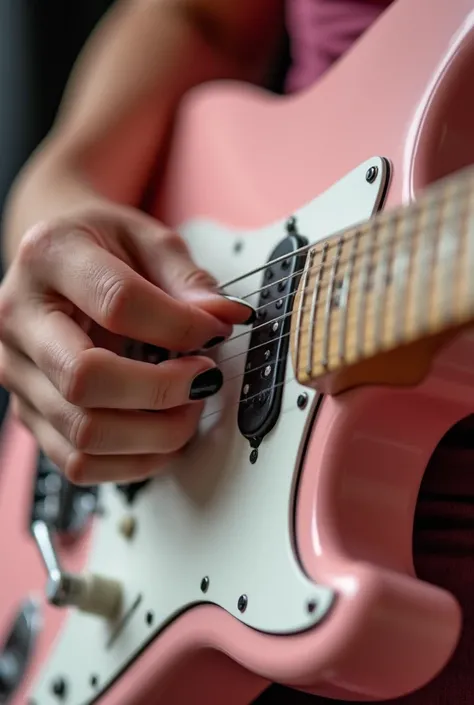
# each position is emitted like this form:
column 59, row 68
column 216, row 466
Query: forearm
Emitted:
column 123, row 92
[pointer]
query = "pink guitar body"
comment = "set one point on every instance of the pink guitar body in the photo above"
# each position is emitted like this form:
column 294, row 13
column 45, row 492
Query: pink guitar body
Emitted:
column 245, row 159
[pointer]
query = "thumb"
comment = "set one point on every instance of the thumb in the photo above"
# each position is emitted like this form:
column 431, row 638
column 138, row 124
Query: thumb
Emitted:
column 169, row 265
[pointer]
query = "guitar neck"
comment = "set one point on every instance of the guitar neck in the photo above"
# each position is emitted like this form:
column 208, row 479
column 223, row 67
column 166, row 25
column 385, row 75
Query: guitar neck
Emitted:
column 387, row 293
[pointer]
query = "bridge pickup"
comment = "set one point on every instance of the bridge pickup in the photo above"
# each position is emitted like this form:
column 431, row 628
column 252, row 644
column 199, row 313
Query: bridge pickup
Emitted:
column 265, row 366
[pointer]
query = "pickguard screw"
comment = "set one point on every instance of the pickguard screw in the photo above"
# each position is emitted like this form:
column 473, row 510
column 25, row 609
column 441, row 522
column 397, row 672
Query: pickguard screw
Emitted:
column 59, row 687
column 291, row 224
column 238, row 247
column 127, row 526
column 242, row 603
column 302, row 401
column 205, row 584
column 94, row 680
column 253, row 456
column 371, row 174
column 311, row 606
column 149, row 618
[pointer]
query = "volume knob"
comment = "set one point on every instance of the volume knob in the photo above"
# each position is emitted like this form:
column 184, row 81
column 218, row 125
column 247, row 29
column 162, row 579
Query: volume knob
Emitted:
column 88, row 592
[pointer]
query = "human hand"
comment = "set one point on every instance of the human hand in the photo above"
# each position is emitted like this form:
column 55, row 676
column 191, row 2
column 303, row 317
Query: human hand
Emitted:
column 121, row 274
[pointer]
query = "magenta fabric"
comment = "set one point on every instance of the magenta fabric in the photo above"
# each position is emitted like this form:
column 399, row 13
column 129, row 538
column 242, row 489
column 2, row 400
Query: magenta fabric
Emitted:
column 322, row 30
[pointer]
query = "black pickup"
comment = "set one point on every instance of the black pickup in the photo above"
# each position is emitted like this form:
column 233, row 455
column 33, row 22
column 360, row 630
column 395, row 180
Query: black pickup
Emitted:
column 265, row 366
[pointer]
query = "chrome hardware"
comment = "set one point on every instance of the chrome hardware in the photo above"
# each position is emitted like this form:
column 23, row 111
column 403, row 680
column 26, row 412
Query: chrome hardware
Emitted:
column 89, row 593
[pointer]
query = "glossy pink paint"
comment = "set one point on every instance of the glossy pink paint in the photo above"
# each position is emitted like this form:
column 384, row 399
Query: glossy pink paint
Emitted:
column 246, row 158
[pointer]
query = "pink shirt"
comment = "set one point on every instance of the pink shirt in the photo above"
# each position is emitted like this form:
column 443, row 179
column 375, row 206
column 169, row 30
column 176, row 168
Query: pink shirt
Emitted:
column 322, row 30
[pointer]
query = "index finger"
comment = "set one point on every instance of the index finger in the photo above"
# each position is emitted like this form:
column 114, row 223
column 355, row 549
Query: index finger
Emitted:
column 122, row 301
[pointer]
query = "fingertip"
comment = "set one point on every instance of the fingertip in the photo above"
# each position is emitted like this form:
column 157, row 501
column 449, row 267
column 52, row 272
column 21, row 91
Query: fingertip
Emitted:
column 206, row 384
column 228, row 309
column 75, row 469
column 247, row 313
column 214, row 342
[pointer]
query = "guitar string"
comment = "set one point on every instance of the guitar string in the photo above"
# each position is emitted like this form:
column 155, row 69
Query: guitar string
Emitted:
column 255, row 369
column 255, row 347
column 415, row 213
column 247, row 399
column 316, row 341
column 343, row 235
column 315, row 269
column 462, row 184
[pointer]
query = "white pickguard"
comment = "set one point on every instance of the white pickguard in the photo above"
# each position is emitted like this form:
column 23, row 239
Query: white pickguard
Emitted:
column 215, row 514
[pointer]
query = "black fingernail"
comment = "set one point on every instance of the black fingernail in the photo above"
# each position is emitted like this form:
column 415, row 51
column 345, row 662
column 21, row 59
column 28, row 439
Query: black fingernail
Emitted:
column 251, row 319
column 214, row 341
column 206, row 384
column 253, row 314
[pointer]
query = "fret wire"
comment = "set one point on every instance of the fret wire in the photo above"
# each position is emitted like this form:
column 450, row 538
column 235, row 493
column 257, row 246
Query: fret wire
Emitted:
column 463, row 231
column 446, row 251
column 345, row 296
column 306, row 275
column 401, row 276
column 356, row 318
column 426, row 251
column 314, row 308
column 380, row 289
column 406, row 215
column 363, row 284
column 329, row 296
column 458, row 181
column 342, row 262
column 465, row 225
column 431, row 301
column 350, row 233
column 358, row 259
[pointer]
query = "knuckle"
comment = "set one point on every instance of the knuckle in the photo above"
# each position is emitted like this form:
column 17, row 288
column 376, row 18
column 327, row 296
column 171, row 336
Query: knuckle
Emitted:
column 180, row 432
column 73, row 374
column 171, row 240
column 35, row 242
column 114, row 294
column 19, row 411
column 84, row 431
column 162, row 395
column 7, row 308
column 199, row 278
column 76, row 468
column 185, row 329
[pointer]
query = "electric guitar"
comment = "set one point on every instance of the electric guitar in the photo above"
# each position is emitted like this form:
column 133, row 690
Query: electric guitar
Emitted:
column 279, row 547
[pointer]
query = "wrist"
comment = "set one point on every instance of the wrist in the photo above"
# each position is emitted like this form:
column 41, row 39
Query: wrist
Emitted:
column 48, row 187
